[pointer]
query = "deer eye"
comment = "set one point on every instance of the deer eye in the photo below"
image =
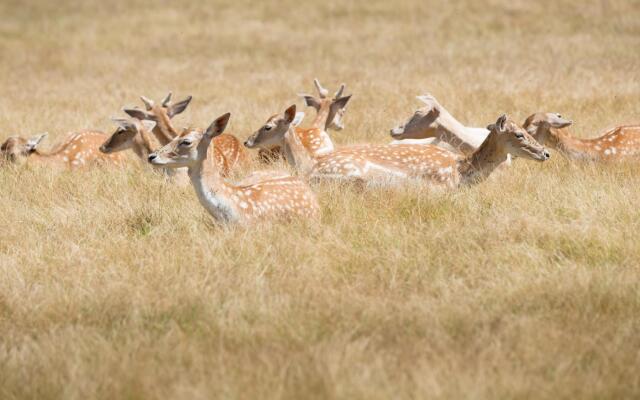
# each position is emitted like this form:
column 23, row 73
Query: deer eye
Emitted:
column 559, row 116
column 267, row 127
column 185, row 142
column 519, row 135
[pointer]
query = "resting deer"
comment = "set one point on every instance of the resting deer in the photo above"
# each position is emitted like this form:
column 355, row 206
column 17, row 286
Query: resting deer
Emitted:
column 315, row 139
column 77, row 150
column 385, row 164
column 229, row 152
column 616, row 144
column 269, row 198
column 135, row 135
column 433, row 124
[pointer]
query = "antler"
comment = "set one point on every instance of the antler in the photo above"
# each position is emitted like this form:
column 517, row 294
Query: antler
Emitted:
column 339, row 92
column 148, row 103
column 321, row 91
column 166, row 100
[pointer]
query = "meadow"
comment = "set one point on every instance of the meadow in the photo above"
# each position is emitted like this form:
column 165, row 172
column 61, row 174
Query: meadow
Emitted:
column 115, row 284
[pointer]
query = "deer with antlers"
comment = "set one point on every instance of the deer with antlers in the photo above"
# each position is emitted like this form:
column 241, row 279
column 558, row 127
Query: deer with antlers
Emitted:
column 229, row 152
column 384, row 163
column 77, row 150
column 276, row 197
column 389, row 164
column 329, row 114
column 616, row 144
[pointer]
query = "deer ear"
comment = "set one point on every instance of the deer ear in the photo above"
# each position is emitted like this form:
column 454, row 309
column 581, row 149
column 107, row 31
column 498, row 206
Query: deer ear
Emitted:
column 218, row 126
column 310, row 101
column 341, row 102
column 148, row 125
column 290, row 114
column 33, row 142
column 501, row 123
column 298, row 119
column 138, row 114
column 426, row 99
column 178, row 107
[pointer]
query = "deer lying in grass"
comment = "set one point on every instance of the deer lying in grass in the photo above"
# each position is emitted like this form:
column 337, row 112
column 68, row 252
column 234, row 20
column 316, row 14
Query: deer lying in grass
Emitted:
column 390, row 164
column 615, row 144
column 135, row 135
column 77, row 150
column 229, row 153
column 439, row 166
column 274, row 197
column 433, row 124
column 315, row 139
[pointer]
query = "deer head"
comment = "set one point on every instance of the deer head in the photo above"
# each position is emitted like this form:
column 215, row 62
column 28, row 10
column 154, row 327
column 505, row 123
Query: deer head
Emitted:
column 422, row 124
column 16, row 149
column 544, row 127
column 153, row 111
column 336, row 106
column 507, row 137
column 272, row 133
column 189, row 149
column 124, row 136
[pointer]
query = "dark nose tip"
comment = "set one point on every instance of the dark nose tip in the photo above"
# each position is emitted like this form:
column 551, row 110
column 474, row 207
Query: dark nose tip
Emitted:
column 546, row 155
column 152, row 156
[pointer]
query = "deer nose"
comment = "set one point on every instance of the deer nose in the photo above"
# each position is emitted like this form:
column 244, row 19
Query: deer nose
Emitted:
column 152, row 157
column 547, row 155
column 248, row 143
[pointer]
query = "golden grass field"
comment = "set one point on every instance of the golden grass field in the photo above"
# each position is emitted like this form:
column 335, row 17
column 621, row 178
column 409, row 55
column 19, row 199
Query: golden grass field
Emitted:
column 116, row 285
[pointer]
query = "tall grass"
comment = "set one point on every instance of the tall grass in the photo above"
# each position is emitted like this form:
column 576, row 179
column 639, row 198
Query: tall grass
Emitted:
column 115, row 284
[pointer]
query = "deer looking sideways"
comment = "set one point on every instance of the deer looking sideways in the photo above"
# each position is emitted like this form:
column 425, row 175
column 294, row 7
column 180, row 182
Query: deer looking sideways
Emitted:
column 329, row 113
column 390, row 164
column 616, row 144
column 228, row 152
column 276, row 197
column 77, row 150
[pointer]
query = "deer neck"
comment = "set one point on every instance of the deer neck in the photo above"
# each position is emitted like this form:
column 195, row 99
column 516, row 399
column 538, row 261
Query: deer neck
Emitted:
column 320, row 121
column 50, row 158
column 476, row 167
column 295, row 153
column 213, row 192
column 456, row 134
column 574, row 147
column 164, row 130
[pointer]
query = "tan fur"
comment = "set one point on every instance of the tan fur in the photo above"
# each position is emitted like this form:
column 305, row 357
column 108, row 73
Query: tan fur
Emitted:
column 616, row 144
column 275, row 197
column 78, row 150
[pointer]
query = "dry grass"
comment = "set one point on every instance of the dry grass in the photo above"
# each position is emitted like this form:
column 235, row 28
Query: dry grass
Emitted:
column 115, row 285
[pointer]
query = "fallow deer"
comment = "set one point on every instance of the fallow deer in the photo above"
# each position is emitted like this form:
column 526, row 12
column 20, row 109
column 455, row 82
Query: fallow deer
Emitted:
column 329, row 114
column 161, row 114
column 384, row 163
column 230, row 153
column 269, row 198
column 433, row 124
column 390, row 164
column 77, row 150
column 619, row 143
column 135, row 136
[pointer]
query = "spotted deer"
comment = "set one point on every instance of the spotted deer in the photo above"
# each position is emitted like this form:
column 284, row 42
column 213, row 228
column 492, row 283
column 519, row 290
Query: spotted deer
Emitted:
column 77, row 150
column 329, row 114
column 616, row 144
column 277, row 197
column 161, row 114
column 230, row 154
column 135, row 135
column 384, row 164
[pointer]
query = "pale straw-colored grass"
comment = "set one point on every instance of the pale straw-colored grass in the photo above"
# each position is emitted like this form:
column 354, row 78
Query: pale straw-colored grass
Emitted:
column 114, row 284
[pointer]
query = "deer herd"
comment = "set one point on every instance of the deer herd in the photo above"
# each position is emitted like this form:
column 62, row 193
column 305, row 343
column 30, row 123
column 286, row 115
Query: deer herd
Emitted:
column 431, row 148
